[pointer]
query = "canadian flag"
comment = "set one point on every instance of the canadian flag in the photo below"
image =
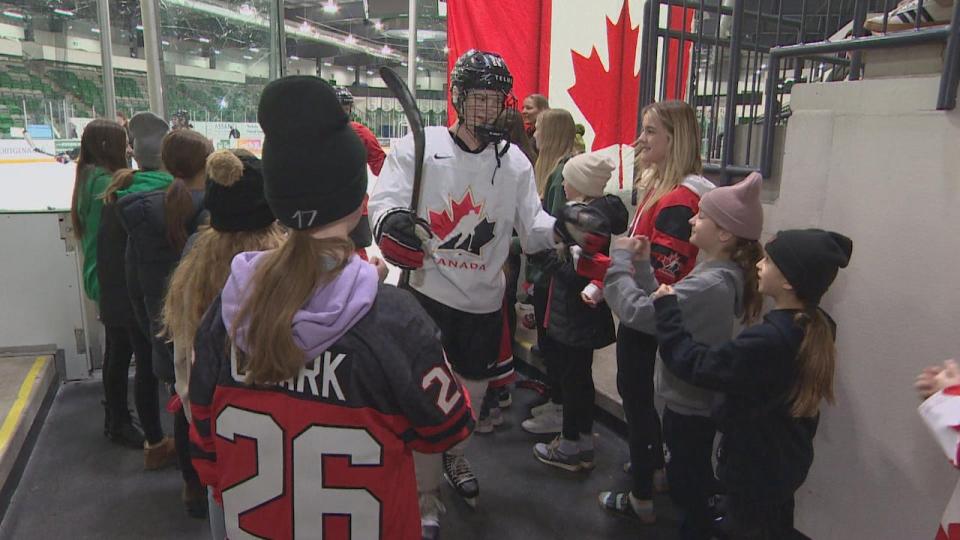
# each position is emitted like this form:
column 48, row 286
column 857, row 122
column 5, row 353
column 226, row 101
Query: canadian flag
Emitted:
column 584, row 56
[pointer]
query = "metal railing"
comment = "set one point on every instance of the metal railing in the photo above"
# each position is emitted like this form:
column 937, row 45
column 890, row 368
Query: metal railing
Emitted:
column 736, row 62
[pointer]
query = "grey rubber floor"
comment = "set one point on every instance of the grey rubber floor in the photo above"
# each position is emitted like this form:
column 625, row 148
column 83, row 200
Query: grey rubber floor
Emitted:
column 77, row 485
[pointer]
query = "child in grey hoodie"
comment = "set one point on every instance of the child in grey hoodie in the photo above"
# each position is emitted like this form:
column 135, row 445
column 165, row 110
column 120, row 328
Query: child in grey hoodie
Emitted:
column 720, row 290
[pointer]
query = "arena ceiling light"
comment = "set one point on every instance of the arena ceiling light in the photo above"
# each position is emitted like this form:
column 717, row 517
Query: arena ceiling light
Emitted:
column 14, row 15
column 303, row 30
column 350, row 40
column 330, row 7
column 64, row 12
column 203, row 40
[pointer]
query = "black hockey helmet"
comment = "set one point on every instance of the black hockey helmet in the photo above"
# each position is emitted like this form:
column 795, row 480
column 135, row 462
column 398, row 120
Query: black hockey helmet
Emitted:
column 344, row 95
column 481, row 70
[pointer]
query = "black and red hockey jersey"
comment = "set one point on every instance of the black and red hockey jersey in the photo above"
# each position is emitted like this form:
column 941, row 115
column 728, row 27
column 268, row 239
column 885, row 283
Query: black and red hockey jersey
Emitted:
column 327, row 454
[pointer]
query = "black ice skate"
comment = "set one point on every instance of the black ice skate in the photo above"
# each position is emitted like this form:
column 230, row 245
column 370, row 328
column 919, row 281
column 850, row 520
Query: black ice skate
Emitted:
column 459, row 474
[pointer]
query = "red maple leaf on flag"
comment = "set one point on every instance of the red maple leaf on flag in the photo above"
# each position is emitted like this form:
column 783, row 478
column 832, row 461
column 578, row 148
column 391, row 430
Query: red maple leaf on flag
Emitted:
column 443, row 223
column 608, row 97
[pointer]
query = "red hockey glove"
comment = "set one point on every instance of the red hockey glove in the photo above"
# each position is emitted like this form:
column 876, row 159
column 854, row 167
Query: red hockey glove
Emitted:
column 399, row 236
column 593, row 267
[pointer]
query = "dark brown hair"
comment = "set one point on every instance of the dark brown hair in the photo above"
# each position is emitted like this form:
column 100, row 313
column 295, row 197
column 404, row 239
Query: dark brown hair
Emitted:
column 184, row 154
column 513, row 124
column 103, row 144
column 746, row 254
column 815, row 363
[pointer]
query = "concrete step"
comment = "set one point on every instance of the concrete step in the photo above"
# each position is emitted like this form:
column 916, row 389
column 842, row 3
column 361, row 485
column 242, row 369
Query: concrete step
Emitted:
column 604, row 370
column 25, row 384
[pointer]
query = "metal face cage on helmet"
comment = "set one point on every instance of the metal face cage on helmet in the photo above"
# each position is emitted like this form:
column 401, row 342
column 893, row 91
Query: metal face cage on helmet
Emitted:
column 344, row 95
column 477, row 71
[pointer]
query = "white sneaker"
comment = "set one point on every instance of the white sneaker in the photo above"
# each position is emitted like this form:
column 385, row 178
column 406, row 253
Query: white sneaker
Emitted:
column 905, row 15
column 548, row 422
column 545, row 407
column 430, row 511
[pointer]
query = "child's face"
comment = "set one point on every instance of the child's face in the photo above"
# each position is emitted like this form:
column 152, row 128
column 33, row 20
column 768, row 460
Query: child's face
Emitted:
column 571, row 192
column 772, row 282
column 705, row 233
column 654, row 141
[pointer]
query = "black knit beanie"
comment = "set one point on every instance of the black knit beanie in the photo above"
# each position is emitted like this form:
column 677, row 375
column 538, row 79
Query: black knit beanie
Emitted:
column 809, row 259
column 234, row 195
column 314, row 165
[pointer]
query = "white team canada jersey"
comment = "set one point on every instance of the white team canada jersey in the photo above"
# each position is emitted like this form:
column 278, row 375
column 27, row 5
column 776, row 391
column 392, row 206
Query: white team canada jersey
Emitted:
column 472, row 207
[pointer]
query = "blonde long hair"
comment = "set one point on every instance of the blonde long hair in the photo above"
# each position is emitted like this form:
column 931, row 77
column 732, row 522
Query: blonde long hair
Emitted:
column 558, row 135
column 284, row 280
column 683, row 156
column 203, row 272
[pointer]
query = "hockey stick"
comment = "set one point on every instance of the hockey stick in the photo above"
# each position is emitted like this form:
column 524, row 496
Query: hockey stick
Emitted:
column 33, row 146
column 415, row 120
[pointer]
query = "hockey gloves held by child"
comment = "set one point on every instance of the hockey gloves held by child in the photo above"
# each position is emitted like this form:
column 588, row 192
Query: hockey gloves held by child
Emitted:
column 593, row 267
column 400, row 235
column 584, row 226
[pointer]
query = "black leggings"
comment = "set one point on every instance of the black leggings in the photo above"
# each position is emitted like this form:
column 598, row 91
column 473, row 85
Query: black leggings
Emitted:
column 636, row 356
column 181, row 437
column 547, row 345
column 576, row 380
column 122, row 342
column 689, row 440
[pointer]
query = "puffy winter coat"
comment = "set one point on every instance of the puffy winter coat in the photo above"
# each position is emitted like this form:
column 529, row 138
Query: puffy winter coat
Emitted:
column 150, row 260
column 570, row 321
column 115, row 308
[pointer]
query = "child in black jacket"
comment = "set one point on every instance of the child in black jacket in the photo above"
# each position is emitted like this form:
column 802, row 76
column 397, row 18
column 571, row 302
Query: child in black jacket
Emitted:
column 576, row 323
column 773, row 377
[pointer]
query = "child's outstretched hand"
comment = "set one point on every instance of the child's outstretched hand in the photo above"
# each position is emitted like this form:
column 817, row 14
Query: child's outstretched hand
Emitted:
column 936, row 378
column 638, row 245
column 663, row 290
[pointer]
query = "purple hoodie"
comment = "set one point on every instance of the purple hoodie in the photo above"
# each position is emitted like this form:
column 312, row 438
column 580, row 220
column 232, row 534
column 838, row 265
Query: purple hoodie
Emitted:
column 329, row 314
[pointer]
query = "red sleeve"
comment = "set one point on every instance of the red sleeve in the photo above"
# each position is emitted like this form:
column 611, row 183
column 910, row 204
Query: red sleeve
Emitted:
column 672, row 254
column 375, row 154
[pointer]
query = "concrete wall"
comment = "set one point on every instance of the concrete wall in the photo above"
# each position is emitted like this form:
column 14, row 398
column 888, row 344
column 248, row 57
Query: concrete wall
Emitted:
column 873, row 160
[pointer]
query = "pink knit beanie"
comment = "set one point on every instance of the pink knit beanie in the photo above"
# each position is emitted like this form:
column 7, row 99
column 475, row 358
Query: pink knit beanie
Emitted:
column 736, row 208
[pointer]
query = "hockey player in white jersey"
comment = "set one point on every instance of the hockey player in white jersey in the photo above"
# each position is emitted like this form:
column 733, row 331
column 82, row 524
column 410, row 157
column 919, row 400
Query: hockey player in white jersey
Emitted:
column 476, row 190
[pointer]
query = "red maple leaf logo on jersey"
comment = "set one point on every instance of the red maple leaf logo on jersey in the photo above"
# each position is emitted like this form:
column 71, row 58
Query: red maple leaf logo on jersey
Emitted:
column 463, row 226
column 443, row 223
column 608, row 97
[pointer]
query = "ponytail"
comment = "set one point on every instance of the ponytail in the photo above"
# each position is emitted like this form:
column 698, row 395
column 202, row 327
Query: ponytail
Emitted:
column 178, row 209
column 815, row 364
column 746, row 255
column 184, row 154
column 122, row 179
column 282, row 283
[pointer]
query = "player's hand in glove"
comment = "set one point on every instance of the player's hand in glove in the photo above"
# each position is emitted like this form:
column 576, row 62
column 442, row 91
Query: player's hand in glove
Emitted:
column 400, row 235
column 584, row 226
